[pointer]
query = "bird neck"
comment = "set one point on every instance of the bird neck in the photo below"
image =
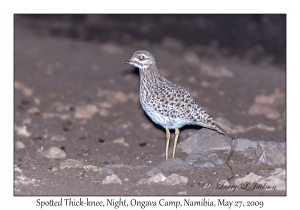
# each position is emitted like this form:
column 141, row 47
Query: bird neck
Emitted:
column 150, row 75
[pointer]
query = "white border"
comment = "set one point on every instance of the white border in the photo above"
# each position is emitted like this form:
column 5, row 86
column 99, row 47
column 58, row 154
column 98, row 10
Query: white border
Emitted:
column 8, row 8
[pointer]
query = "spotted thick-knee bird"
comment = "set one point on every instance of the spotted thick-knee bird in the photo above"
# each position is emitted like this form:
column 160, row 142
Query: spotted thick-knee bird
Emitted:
column 166, row 103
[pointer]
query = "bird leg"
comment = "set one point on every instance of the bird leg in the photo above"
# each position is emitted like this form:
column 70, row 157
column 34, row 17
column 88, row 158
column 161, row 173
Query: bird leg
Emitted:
column 168, row 140
column 175, row 142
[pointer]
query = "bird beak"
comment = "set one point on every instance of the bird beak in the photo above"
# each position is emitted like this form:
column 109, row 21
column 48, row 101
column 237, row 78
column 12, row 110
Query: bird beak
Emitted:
column 128, row 61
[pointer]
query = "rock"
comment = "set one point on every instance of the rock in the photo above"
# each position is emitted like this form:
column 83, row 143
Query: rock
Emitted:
column 33, row 110
column 54, row 152
column 16, row 168
column 175, row 179
column 121, row 141
column 23, row 131
column 271, row 153
column 105, row 105
column 54, row 169
column 26, row 181
column 19, row 145
column 146, row 126
column 58, row 138
column 171, row 180
column 205, row 140
column 103, row 112
column 70, row 163
column 90, row 167
column 85, row 111
column 113, row 179
column 174, row 164
column 242, row 144
column 60, row 107
column 26, row 91
column 201, row 159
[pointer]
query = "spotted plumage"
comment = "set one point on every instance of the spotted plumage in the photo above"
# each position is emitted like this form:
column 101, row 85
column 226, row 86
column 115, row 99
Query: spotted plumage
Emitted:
column 166, row 103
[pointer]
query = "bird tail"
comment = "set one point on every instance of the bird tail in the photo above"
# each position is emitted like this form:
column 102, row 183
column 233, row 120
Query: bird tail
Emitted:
column 220, row 129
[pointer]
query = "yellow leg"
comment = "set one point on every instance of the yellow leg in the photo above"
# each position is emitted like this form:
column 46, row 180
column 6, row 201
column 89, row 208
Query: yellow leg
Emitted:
column 175, row 142
column 168, row 140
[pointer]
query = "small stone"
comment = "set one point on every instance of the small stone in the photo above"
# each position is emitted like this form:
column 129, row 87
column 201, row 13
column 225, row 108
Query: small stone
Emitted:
column 26, row 91
column 23, row 131
column 19, row 145
column 146, row 126
column 37, row 101
column 16, row 168
column 121, row 141
column 204, row 83
column 58, row 138
column 70, row 163
column 54, row 169
column 33, row 110
column 175, row 179
column 205, row 140
column 103, row 112
column 182, row 193
column 121, row 96
column 85, row 111
column 113, row 179
column 105, row 105
column 54, row 152
column 90, row 167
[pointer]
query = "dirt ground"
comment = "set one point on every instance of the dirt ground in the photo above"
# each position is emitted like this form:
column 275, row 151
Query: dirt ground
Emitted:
column 77, row 95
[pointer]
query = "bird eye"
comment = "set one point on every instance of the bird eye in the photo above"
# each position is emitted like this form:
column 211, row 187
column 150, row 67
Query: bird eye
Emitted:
column 141, row 57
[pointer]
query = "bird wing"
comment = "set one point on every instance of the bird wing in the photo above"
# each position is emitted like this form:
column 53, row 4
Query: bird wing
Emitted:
column 176, row 102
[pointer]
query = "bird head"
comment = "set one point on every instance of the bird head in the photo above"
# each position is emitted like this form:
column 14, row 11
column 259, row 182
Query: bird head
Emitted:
column 141, row 59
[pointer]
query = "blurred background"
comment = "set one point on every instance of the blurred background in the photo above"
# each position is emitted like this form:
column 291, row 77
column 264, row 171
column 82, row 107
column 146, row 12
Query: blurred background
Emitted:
column 254, row 36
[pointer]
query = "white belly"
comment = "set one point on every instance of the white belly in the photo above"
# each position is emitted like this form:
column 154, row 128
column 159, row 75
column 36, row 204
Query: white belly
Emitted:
column 164, row 121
